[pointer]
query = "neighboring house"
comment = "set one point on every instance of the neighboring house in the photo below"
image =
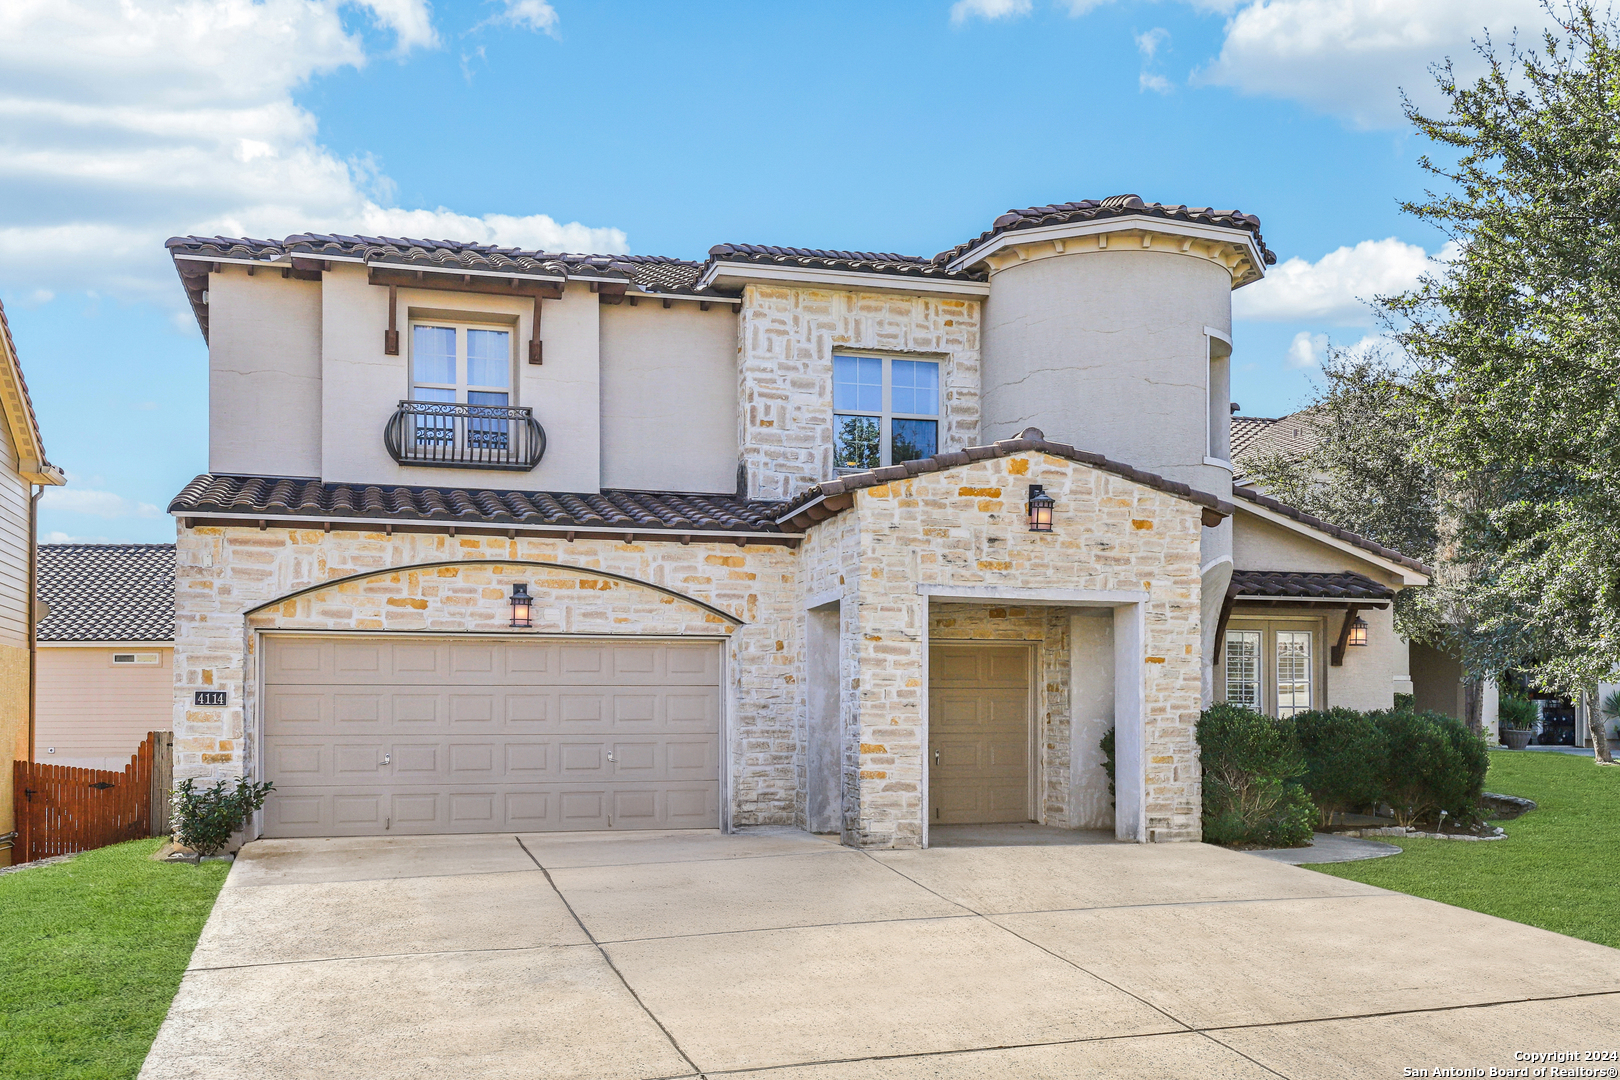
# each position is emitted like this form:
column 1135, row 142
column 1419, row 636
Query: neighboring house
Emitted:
column 860, row 543
column 22, row 468
column 105, row 663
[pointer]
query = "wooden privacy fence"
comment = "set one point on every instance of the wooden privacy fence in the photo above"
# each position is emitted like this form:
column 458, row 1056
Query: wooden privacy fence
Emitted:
column 61, row 809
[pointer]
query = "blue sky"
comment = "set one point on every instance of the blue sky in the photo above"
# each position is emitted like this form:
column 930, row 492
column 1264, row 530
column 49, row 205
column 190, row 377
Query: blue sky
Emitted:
column 666, row 128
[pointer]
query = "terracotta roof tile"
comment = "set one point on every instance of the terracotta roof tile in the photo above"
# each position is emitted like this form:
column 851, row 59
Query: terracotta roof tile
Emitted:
column 865, row 262
column 1116, row 206
column 1343, row 585
column 650, row 511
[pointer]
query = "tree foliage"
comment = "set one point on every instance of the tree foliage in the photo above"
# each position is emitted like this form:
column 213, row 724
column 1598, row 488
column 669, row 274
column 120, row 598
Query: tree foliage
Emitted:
column 1496, row 435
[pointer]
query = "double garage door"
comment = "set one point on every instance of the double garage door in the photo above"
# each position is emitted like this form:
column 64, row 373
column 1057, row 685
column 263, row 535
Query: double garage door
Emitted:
column 377, row 735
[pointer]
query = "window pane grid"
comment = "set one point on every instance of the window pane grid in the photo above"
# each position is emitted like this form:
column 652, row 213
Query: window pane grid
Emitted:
column 868, row 435
column 1243, row 668
column 1293, row 672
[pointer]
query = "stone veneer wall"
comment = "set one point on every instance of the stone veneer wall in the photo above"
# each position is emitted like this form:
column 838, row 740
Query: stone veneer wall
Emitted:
column 1048, row 628
column 965, row 526
column 786, row 340
column 221, row 573
column 829, row 562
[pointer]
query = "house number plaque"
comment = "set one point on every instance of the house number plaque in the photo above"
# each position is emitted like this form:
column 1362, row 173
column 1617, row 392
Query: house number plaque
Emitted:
column 208, row 697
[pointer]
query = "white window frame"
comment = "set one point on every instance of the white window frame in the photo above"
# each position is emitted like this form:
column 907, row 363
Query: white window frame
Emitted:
column 1268, row 627
column 1259, row 637
column 135, row 659
column 461, row 387
column 887, row 416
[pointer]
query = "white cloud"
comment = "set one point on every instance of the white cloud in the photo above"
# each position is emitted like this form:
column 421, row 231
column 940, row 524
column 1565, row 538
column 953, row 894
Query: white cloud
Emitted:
column 536, row 15
column 1336, row 288
column 1351, row 58
column 1147, row 44
column 1306, row 349
column 123, row 122
column 963, row 10
column 59, row 537
column 105, row 504
column 1157, row 83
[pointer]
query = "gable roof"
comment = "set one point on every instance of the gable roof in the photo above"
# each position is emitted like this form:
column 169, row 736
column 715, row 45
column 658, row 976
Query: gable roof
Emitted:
column 831, row 496
column 107, row 592
column 18, row 408
column 1253, row 497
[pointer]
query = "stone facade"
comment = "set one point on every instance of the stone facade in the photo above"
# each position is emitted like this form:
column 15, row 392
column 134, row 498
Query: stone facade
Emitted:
column 786, row 340
column 233, row 582
column 963, row 527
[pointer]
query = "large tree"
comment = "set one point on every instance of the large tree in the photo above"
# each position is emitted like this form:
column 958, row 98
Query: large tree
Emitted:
column 1515, row 347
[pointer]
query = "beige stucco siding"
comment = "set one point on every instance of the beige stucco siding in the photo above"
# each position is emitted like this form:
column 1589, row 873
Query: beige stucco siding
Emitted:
column 1106, row 350
column 1258, row 544
column 13, row 733
column 94, row 713
column 264, row 374
column 669, row 397
column 362, row 385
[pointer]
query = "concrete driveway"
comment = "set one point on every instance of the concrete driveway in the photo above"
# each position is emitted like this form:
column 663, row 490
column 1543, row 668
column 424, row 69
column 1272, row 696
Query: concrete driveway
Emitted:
column 783, row 956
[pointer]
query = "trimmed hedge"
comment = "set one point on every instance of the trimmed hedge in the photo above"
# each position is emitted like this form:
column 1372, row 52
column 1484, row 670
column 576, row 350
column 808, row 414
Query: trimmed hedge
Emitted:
column 1252, row 765
column 1346, row 757
column 1268, row 781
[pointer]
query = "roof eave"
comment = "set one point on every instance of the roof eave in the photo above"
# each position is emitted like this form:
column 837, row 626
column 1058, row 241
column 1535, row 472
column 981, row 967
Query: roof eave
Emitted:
column 746, row 273
column 1409, row 576
column 1119, row 223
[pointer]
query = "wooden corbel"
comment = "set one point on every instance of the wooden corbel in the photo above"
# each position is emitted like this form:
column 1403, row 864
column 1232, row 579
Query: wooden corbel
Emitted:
column 535, row 356
column 1337, row 657
column 391, row 335
column 1220, row 624
column 610, row 292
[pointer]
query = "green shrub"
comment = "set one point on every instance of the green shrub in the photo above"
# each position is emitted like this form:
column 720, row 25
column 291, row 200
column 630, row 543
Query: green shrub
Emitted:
column 1435, row 763
column 1406, row 701
column 205, row 818
column 1107, row 745
column 1252, row 764
column 1345, row 760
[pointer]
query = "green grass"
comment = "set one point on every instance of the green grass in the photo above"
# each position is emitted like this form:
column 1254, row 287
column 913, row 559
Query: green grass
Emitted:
column 1556, row 869
column 91, row 953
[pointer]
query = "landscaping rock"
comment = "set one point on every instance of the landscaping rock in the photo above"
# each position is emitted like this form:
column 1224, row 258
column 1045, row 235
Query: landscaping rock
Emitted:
column 173, row 852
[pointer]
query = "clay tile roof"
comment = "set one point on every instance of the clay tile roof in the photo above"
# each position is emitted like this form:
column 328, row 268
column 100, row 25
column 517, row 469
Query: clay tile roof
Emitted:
column 617, row 510
column 1116, row 206
column 1255, row 437
column 865, row 262
column 1319, row 586
column 1249, row 494
column 794, row 513
column 107, row 592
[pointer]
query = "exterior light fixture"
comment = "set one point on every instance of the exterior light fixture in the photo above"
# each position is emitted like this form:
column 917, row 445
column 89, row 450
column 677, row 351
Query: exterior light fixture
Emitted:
column 522, row 605
column 1040, row 509
column 1358, row 632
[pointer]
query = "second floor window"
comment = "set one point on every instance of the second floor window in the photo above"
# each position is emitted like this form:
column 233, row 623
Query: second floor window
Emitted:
column 885, row 411
column 465, row 364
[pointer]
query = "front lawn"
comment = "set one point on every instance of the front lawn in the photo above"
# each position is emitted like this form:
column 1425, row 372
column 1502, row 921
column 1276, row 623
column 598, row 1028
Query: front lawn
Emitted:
column 1556, row 869
column 91, row 953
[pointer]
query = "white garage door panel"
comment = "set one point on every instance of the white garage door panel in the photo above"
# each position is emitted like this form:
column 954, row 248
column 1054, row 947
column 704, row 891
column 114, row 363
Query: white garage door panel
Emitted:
column 366, row 735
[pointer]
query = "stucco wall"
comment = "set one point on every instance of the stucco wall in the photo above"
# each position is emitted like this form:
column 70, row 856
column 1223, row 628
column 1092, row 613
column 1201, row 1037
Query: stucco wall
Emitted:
column 264, row 373
column 669, row 397
column 13, row 734
column 93, row 713
column 1106, row 349
column 965, row 527
column 363, row 385
column 1258, row 544
column 787, row 337
column 223, row 573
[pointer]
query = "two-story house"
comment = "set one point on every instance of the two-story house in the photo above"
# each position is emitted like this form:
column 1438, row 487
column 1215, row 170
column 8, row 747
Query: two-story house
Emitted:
column 861, row 543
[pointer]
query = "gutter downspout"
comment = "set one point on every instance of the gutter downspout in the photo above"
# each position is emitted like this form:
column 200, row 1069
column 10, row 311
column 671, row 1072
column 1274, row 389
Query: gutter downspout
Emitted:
column 33, row 609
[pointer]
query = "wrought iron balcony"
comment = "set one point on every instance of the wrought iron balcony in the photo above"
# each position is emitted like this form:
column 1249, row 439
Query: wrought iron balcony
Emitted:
column 454, row 436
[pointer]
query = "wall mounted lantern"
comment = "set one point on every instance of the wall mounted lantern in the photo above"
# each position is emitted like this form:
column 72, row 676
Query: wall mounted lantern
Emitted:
column 1358, row 632
column 1039, row 509
column 522, row 605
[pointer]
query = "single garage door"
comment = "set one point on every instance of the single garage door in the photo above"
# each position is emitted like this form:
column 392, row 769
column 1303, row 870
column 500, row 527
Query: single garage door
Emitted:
column 372, row 735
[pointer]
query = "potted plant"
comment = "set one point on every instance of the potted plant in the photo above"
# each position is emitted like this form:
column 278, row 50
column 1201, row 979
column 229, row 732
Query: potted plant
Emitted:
column 1518, row 716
